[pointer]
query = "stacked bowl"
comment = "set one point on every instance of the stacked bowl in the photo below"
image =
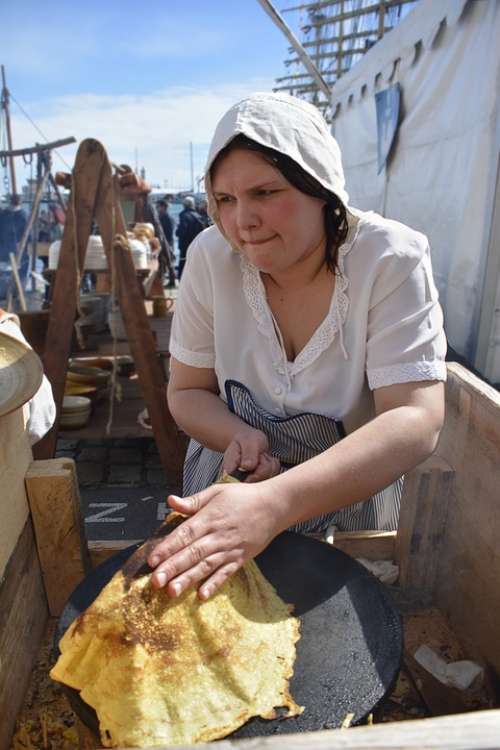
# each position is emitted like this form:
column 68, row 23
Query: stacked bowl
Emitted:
column 75, row 412
column 92, row 381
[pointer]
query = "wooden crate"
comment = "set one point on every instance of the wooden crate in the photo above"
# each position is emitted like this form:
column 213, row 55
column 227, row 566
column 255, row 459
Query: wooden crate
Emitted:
column 449, row 559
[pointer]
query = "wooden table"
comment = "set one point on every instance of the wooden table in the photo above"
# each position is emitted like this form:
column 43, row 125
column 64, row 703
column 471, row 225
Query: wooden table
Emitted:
column 125, row 412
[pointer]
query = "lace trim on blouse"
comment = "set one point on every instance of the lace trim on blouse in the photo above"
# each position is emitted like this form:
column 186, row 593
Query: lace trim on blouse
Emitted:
column 406, row 373
column 194, row 359
column 323, row 336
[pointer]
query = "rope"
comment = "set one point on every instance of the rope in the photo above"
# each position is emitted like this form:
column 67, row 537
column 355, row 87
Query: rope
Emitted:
column 77, row 264
column 38, row 130
column 117, row 240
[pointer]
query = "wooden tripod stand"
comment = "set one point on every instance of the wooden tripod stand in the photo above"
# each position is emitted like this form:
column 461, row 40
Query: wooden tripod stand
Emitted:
column 94, row 194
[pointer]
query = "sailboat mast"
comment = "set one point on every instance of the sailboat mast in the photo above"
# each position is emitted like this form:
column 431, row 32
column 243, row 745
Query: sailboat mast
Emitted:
column 5, row 106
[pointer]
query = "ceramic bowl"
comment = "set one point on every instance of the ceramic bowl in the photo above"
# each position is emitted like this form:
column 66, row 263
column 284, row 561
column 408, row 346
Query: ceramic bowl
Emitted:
column 75, row 405
column 74, row 420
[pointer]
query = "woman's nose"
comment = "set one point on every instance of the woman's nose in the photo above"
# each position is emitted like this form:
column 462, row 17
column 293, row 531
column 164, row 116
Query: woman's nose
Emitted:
column 246, row 215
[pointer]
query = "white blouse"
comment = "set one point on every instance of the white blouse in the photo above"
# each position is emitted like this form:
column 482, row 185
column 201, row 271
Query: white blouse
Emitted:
column 384, row 325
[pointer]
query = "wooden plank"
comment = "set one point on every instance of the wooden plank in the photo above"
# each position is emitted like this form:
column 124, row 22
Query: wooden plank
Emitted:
column 479, row 730
column 23, row 617
column 88, row 164
column 422, row 526
column 171, row 446
column 101, row 551
column 15, row 457
column 371, row 545
column 52, row 488
column 467, row 587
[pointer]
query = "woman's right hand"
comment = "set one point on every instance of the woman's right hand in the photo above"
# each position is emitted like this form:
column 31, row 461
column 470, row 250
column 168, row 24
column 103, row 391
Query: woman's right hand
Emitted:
column 249, row 451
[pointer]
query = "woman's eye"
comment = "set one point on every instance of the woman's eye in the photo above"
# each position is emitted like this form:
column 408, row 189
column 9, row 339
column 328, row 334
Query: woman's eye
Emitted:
column 265, row 193
column 224, row 199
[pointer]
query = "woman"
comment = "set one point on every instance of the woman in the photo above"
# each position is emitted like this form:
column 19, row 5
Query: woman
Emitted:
column 307, row 337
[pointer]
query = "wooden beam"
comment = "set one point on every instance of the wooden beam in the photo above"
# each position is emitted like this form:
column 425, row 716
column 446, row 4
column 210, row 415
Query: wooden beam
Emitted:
column 356, row 13
column 88, row 164
column 169, row 439
column 54, row 499
column 38, row 148
column 23, row 618
column 427, row 494
column 478, row 730
column 5, row 107
column 330, row 56
column 372, row 545
column 334, row 39
column 467, row 586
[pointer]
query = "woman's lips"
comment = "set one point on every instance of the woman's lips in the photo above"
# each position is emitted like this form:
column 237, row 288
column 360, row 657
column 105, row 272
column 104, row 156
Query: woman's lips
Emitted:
column 258, row 242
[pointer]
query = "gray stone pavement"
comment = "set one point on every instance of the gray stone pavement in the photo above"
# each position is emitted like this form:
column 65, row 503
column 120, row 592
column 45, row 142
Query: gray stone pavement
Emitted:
column 123, row 488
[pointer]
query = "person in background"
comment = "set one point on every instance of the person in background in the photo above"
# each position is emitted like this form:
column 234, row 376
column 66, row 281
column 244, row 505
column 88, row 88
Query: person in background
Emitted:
column 166, row 221
column 307, row 351
column 44, row 226
column 13, row 221
column 190, row 225
column 202, row 208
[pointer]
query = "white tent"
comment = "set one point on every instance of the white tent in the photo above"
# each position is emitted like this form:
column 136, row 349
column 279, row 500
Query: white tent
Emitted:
column 443, row 174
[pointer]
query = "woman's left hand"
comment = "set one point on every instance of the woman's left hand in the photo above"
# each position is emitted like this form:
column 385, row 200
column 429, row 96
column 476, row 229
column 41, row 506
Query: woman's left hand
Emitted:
column 228, row 525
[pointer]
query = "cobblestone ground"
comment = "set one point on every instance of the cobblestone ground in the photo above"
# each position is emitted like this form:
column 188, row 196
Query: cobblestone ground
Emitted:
column 123, row 487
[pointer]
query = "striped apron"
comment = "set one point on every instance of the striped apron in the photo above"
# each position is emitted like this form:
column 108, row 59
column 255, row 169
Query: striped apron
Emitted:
column 293, row 440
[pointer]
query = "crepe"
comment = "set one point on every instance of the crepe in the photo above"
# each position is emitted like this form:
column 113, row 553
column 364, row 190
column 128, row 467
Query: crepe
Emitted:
column 166, row 671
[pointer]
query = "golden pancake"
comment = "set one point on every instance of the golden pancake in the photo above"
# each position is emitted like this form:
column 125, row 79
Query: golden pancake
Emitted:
column 166, row 671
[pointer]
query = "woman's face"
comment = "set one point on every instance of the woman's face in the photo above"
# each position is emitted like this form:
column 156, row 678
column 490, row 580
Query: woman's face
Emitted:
column 274, row 225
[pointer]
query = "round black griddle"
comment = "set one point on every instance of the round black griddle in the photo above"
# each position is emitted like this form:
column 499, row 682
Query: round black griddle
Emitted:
column 349, row 653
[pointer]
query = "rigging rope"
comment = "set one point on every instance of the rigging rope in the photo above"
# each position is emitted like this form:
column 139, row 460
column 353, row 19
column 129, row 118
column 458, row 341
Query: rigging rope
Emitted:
column 114, row 333
column 38, row 129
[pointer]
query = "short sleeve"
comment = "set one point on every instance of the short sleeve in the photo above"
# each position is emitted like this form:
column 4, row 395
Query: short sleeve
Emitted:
column 192, row 336
column 406, row 340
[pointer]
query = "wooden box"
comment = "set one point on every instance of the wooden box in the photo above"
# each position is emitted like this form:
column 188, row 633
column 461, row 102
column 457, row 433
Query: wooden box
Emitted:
column 446, row 548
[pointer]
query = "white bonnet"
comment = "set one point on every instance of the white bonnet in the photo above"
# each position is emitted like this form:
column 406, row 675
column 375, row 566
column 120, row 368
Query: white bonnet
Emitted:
column 288, row 125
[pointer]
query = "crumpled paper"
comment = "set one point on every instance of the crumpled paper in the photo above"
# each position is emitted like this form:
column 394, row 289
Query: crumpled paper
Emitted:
column 457, row 674
column 385, row 570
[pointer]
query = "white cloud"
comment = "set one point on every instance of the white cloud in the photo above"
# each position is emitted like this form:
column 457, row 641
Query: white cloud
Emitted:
column 160, row 126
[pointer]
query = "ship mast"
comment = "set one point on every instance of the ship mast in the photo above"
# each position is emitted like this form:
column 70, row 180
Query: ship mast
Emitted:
column 336, row 34
column 5, row 106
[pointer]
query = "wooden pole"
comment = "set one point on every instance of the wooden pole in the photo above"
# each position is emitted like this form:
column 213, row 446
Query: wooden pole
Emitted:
column 15, row 276
column 24, row 239
column 5, row 106
column 169, row 441
column 86, row 175
column 34, row 239
column 340, row 42
column 381, row 19
column 55, row 187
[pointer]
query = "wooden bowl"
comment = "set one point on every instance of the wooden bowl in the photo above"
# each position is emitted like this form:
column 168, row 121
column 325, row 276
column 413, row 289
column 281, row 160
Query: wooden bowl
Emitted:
column 88, row 375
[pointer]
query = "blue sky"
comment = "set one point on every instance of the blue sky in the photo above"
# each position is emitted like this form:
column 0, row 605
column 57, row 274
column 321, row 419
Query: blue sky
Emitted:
column 145, row 79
